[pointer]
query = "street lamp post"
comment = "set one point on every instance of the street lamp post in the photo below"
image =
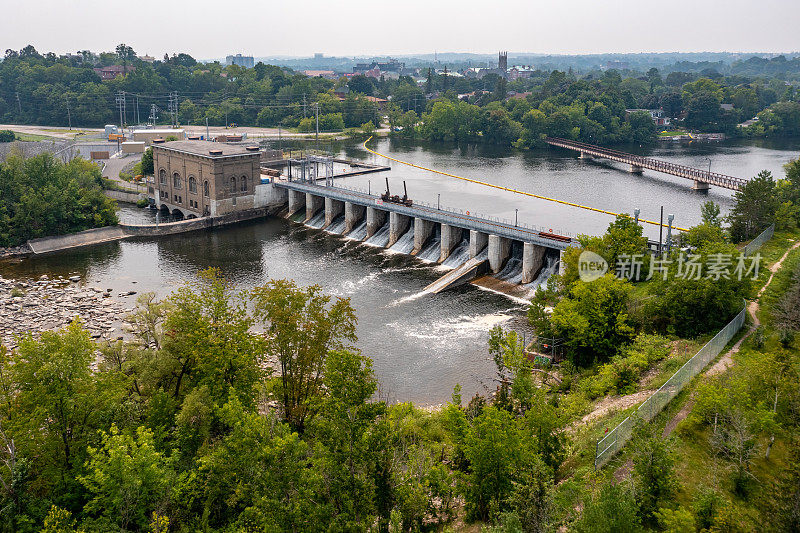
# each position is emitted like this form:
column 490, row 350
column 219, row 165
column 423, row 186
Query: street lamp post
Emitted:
column 709, row 167
column 516, row 217
column 438, row 201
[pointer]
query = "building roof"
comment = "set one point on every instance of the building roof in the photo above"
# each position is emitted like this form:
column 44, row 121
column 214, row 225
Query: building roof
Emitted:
column 162, row 131
column 204, row 148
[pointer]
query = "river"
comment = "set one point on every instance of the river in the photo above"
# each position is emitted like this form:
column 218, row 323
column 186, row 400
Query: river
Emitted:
column 422, row 345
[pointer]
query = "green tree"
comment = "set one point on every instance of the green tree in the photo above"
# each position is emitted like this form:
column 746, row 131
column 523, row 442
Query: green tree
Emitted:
column 300, row 330
column 613, row 509
column 653, row 473
column 755, row 207
column 709, row 212
column 7, row 136
column 147, row 163
column 594, row 319
column 128, row 478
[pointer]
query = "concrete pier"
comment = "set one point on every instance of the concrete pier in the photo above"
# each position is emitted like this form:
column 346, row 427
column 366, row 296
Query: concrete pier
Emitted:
column 499, row 250
column 313, row 204
column 423, row 229
column 451, row 236
column 297, row 201
column 333, row 208
column 532, row 261
column 584, row 155
column 477, row 242
column 398, row 224
column 700, row 186
column 353, row 214
column 636, row 169
column 562, row 267
column 376, row 218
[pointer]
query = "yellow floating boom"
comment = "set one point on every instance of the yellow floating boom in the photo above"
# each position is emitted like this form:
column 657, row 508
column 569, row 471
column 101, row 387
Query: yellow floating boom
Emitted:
column 512, row 190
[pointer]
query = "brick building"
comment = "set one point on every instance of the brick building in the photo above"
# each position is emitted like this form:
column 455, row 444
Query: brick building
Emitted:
column 202, row 178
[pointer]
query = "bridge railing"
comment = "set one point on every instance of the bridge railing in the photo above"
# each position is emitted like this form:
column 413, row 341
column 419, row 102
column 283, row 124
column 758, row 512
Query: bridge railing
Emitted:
column 472, row 214
column 655, row 164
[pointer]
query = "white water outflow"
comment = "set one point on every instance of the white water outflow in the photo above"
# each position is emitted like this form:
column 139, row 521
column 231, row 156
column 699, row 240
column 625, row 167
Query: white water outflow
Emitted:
column 405, row 244
column 337, row 225
column 458, row 256
column 359, row 233
column 381, row 237
column 432, row 250
column 318, row 220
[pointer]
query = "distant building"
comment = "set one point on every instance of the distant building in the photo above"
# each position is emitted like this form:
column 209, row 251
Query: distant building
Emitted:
column 520, row 72
column 501, row 70
column 112, row 71
column 202, row 178
column 147, row 136
column 240, row 60
column 147, row 59
column 617, row 65
column 726, row 107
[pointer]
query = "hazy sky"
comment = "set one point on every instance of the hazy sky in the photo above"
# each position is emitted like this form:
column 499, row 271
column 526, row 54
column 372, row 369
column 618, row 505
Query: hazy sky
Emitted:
column 215, row 28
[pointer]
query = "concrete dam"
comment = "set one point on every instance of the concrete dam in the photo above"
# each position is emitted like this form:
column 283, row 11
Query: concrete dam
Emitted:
column 472, row 246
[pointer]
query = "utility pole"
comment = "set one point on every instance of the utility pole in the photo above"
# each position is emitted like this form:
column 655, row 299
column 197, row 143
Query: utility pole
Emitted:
column 316, row 110
column 120, row 104
column 660, row 230
column 69, row 116
column 304, row 105
column 153, row 114
column 176, row 109
column 19, row 105
column 208, row 138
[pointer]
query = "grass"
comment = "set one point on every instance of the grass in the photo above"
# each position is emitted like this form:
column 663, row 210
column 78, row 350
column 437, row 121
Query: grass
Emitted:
column 32, row 137
column 671, row 133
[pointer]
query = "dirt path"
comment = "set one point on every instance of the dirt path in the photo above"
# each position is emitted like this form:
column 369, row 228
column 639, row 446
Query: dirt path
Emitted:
column 726, row 361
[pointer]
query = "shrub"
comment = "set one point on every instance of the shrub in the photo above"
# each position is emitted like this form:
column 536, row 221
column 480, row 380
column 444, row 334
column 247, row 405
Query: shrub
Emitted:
column 7, row 136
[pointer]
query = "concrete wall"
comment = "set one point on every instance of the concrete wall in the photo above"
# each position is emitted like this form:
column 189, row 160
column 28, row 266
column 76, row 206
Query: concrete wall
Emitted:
column 333, row 208
column 398, row 224
column 122, row 196
column 532, row 261
column 297, row 201
column 499, row 250
column 269, row 195
column 477, row 242
column 353, row 214
column 313, row 204
column 451, row 236
column 376, row 218
column 423, row 229
column 123, row 231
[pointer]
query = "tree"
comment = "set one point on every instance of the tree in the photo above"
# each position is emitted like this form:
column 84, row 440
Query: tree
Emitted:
column 755, row 207
column 128, row 478
column 497, row 451
column 653, row 473
column 429, row 82
column 125, row 54
column 710, row 213
column 594, row 319
column 7, row 136
column 360, row 84
column 612, row 509
column 147, row 163
column 300, row 330
column 532, row 498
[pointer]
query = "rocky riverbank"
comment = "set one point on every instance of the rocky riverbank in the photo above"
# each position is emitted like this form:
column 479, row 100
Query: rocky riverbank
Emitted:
column 15, row 251
column 33, row 306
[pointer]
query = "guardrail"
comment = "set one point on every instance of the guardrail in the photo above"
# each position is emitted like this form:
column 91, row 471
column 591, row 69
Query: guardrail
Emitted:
column 759, row 241
column 462, row 218
column 714, row 178
column 616, row 439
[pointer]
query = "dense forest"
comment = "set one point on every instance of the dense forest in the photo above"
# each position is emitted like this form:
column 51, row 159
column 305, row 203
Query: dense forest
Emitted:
column 592, row 106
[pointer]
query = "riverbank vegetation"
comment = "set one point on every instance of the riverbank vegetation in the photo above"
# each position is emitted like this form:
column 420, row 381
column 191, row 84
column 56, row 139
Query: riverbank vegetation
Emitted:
column 599, row 107
column 42, row 196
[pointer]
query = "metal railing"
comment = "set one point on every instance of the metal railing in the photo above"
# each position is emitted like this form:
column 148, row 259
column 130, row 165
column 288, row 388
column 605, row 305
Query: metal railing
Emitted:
column 616, row 439
column 759, row 241
column 462, row 218
column 714, row 178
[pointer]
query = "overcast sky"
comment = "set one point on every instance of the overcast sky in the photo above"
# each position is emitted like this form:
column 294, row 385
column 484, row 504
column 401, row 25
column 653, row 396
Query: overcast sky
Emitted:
column 214, row 28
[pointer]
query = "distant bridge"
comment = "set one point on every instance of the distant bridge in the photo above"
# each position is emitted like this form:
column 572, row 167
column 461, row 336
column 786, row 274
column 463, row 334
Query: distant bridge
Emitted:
column 702, row 179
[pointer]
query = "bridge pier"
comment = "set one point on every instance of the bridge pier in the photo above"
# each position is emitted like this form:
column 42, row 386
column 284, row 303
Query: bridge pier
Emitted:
column 562, row 267
column 451, row 236
column 499, row 250
column 584, row 155
column 353, row 214
column 636, row 169
column 297, row 201
column 313, row 204
column 398, row 224
column 477, row 242
column 376, row 218
column 333, row 208
column 700, row 186
column 532, row 261
column 422, row 232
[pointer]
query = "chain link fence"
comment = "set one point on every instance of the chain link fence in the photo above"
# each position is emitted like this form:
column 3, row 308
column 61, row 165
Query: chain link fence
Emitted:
column 756, row 243
column 616, row 439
